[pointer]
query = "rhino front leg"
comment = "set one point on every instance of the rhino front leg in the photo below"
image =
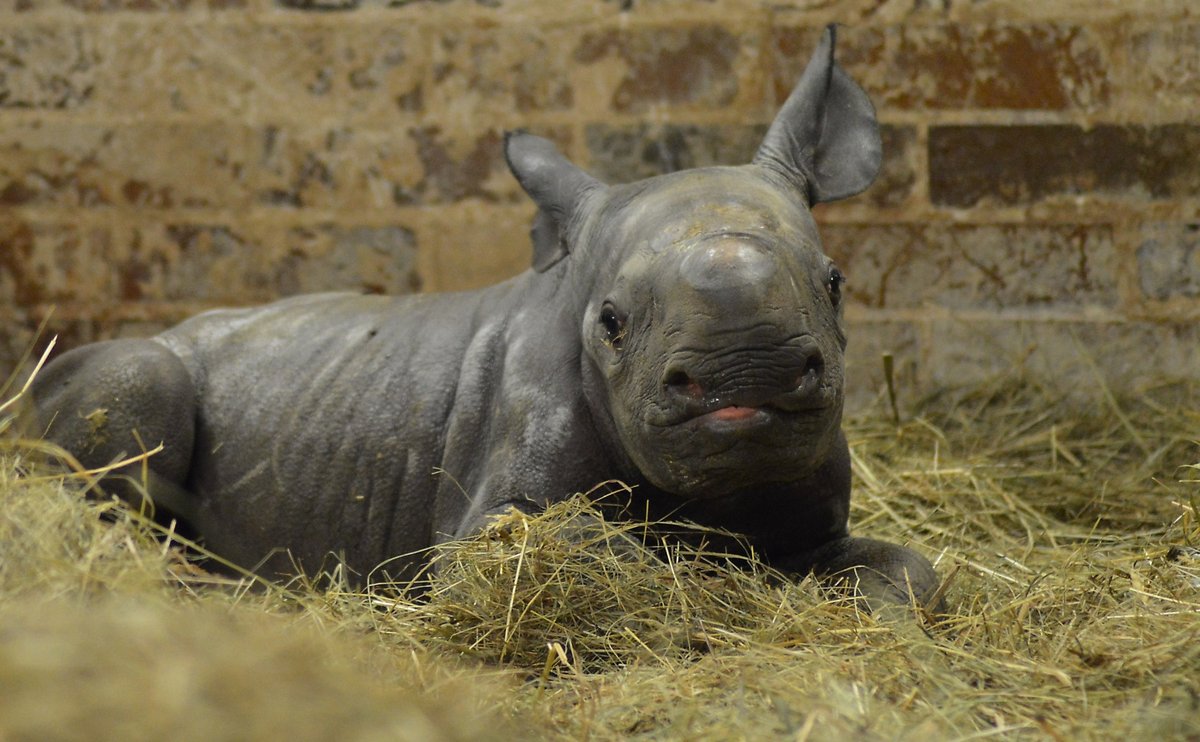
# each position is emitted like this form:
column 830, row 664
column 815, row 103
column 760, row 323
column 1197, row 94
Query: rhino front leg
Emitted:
column 109, row 401
column 877, row 570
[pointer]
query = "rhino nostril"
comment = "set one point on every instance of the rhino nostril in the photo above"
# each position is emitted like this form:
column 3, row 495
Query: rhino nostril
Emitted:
column 678, row 382
column 814, row 368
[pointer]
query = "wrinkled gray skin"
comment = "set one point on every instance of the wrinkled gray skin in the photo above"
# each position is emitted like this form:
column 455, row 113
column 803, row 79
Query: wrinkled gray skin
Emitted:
column 682, row 333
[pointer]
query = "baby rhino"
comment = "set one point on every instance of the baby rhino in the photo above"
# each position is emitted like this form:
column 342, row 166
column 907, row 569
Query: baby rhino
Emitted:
column 681, row 333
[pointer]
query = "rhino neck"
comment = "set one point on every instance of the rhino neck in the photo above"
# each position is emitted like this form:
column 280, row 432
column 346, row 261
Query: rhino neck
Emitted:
column 776, row 519
column 595, row 397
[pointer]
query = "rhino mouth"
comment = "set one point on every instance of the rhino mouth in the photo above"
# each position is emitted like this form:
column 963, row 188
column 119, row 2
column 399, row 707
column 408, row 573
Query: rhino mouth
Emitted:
column 736, row 417
column 746, row 401
column 746, row 411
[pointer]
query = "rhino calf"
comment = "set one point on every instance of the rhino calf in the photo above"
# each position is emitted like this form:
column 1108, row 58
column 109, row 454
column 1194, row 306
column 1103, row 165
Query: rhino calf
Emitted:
column 682, row 333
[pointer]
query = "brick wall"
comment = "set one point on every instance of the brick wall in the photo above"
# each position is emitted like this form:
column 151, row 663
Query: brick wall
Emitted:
column 1039, row 206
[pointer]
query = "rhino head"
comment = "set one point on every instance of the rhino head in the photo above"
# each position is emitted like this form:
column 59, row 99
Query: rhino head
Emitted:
column 710, row 320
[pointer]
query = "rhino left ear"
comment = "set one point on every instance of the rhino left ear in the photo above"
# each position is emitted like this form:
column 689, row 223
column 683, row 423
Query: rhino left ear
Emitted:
column 825, row 139
column 555, row 184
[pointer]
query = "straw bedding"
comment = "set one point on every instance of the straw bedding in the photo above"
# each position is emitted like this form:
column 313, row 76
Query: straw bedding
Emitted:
column 1068, row 538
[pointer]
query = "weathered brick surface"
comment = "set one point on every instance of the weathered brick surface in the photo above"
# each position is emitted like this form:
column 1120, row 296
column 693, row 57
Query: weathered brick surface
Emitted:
column 263, row 73
column 1168, row 259
column 499, row 71
column 258, row 262
column 143, row 165
column 959, row 66
column 1040, row 189
column 1026, row 163
column 47, row 67
column 986, row 267
column 49, row 263
column 477, row 245
column 1074, row 358
column 866, row 382
column 619, row 154
column 35, row 7
column 668, row 66
column 1164, row 67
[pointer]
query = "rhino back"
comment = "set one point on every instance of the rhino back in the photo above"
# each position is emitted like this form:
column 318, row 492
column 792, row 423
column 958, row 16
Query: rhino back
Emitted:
column 322, row 421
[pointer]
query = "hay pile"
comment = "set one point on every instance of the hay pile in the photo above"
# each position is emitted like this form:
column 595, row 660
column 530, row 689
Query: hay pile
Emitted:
column 1070, row 540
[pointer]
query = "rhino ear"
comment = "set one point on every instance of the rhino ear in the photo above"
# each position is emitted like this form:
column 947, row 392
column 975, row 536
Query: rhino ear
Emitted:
column 555, row 184
column 826, row 138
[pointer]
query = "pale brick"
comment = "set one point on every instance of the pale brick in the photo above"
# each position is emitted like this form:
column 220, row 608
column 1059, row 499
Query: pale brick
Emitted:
column 473, row 245
column 355, row 168
column 197, row 262
column 47, row 67
column 368, row 259
column 266, row 73
column 702, row 67
column 620, row 154
column 1165, row 70
column 986, row 267
column 109, row 6
column 866, row 383
column 1073, row 358
column 489, row 74
column 1168, row 261
column 147, row 165
column 259, row 262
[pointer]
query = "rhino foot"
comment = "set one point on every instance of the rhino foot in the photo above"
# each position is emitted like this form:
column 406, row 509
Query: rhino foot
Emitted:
column 880, row 572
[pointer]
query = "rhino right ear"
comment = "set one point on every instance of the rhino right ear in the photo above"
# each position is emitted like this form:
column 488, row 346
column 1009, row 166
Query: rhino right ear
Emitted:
column 825, row 140
column 555, row 184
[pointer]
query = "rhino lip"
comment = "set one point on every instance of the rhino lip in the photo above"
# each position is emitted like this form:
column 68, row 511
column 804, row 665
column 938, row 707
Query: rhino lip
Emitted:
column 748, row 413
column 748, row 407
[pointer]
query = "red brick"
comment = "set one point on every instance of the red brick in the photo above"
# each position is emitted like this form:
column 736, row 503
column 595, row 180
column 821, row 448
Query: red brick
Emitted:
column 1025, row 164
column 953, row 66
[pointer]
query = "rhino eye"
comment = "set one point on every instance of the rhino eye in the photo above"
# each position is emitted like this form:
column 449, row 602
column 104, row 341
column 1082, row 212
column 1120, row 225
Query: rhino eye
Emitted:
column 614, row 328
column 834, row 285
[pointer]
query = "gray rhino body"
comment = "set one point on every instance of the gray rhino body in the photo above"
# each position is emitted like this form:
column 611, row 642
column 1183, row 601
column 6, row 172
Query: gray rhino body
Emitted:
column 682, row 334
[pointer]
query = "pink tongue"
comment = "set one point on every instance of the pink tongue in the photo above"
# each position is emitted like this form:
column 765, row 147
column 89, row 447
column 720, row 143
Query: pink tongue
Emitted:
column 734, row 413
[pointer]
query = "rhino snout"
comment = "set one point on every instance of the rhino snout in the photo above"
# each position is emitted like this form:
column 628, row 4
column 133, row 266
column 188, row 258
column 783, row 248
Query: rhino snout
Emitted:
column 786, row 378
